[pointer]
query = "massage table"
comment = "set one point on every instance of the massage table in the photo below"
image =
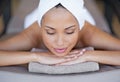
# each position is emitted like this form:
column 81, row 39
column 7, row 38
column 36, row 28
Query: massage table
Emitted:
column 20, row 73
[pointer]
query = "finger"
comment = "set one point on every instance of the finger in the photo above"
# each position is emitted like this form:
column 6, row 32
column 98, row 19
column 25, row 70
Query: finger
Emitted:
column 70, row 56
column 75, row 55
column 74, row 52
column 81, row 52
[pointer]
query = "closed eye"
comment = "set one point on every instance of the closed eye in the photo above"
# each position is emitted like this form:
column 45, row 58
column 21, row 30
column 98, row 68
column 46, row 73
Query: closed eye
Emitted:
column 70, row 29
column 50, row 30
column 70, row 32
column 50, row 33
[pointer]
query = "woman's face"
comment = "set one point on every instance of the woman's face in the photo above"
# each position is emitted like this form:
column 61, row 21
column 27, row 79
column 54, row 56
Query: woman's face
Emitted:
column 60, row 31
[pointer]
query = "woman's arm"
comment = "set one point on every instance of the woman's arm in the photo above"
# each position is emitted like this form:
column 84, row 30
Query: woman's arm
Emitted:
column 8, row 58
column 15, row 58
column 104, row 57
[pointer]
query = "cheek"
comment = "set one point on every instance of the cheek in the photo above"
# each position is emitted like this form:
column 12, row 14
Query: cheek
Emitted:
column 47, row 40
column 72, row 40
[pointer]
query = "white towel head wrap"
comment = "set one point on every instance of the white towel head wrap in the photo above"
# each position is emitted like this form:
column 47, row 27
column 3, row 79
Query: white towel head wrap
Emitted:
column 76, row 7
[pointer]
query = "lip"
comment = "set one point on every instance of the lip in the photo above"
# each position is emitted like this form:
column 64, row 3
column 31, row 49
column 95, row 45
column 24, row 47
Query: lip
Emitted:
column 60, row 50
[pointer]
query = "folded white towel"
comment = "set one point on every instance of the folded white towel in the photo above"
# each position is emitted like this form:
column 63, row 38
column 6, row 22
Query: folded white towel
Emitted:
column 75, row 68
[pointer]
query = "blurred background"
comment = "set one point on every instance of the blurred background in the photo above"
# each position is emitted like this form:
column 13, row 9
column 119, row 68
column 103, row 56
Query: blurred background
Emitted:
column 13, row 12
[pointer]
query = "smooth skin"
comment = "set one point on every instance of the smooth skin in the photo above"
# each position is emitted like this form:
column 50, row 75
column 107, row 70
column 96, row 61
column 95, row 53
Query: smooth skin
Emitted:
column 60, row 31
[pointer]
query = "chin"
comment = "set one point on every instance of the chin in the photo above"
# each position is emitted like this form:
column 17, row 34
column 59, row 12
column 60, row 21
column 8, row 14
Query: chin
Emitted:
column 60, row 54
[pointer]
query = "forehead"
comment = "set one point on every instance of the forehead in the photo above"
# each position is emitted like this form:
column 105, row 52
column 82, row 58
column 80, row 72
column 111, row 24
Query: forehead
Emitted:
column 58, row 13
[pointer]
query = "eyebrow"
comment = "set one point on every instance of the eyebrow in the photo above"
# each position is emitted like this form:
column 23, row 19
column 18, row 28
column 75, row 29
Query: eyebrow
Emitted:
column 50, row 27
column 69, row 27
column 65, row 28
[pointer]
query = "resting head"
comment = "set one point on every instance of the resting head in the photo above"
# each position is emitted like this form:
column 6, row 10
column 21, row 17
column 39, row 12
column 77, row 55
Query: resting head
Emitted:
column 60, row 30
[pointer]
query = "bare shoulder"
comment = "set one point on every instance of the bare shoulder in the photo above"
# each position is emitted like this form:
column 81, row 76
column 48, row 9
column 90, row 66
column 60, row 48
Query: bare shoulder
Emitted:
column 86, row 33
column 25, row 40
column 33, row 32
column 93, row 36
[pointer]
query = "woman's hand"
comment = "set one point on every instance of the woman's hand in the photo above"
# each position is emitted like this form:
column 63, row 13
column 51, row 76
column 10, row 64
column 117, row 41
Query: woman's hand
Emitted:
column 76, row 56
column 48, row 58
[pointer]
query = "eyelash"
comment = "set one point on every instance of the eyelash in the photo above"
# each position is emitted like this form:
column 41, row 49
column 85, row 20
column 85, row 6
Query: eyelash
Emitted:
column 70, row 32
column 54, row 33
column 50, row 33
column 66, row 33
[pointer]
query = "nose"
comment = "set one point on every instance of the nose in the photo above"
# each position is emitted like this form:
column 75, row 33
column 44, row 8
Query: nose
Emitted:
column 60, row 40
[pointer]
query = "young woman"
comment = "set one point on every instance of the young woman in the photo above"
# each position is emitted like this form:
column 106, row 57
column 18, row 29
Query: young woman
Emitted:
column 63, row 31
